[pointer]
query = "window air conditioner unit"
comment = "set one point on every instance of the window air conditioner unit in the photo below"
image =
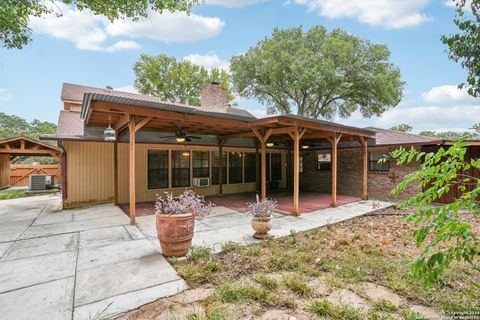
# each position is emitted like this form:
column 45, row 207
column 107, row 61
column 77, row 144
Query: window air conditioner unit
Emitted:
column 201, row 182
column 39, row 182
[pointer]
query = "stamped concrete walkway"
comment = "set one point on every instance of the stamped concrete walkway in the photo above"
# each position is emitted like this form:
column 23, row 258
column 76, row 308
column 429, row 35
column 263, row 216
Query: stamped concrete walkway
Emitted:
column 71, row 264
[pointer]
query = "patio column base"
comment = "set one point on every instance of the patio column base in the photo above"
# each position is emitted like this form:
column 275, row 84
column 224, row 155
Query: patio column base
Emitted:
column 365, row 198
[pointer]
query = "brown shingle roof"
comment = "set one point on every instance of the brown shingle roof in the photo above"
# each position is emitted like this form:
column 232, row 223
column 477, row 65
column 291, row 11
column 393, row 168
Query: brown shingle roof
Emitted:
column 75, row 92
column 391, row 137
column 69, row 123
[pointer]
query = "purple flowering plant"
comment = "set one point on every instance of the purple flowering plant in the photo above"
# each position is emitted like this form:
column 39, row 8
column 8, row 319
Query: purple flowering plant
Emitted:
column 187, row 202
column 262, row 208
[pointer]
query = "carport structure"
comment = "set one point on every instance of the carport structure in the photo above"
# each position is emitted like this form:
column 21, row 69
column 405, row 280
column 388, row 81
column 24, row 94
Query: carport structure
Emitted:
column 22, row 146
column 130, row 116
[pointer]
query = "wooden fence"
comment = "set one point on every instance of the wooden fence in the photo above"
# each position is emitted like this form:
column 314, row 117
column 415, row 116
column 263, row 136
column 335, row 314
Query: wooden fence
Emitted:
column 19, row 172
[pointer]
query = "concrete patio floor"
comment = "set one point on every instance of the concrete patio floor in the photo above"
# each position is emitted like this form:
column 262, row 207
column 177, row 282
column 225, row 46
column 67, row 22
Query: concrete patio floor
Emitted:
column 71, row 264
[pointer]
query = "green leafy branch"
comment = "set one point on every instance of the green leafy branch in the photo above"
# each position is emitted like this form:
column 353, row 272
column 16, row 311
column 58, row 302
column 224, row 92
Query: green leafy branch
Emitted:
column 439, row 227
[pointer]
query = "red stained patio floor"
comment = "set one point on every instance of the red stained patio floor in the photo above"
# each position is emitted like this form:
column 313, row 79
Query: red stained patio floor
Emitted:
column 309, row 202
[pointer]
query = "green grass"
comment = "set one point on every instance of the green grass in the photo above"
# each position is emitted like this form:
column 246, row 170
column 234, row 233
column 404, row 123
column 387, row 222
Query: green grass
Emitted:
column 19, row 193
column 266, row 281
column 240, row 293
column 297, row 284
column 327, row 310
column 383, row 305
column 197, row 253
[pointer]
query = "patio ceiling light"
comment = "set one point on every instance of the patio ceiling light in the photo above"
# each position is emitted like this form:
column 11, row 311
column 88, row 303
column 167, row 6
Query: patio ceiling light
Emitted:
column 305, row 146
column 180, row 139
column 109, row 133
column 270, row 144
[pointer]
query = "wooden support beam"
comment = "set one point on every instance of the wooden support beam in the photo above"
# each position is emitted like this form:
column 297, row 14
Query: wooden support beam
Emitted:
column 131, row 168
column 22, row 144
column 263, row 174
column 115, row 171
column 121, row 123
column 296, row 172
column 142, row 123
column 221, row 142
column 364, row 143
column 334, row 142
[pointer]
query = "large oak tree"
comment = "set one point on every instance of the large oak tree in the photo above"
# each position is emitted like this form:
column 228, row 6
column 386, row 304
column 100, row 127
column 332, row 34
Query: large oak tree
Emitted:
column 318, row 74
column 171, row 80
column 15, row 14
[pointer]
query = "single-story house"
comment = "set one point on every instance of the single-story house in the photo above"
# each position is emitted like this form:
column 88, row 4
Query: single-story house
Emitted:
column 127, row 148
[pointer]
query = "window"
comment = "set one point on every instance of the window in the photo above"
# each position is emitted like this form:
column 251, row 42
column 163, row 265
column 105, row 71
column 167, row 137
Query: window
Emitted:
column 276, row 165
column 373, row 165
column 180, row 168
column 235, row 167
column 201, row 164
column 324, row 161
column 157, row 169
column 215, row 167
column 300, row 163
column 250, row 164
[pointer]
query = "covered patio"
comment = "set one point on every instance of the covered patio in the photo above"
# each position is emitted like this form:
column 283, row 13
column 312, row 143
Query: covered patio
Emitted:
column 128, row 117
column 309, row 202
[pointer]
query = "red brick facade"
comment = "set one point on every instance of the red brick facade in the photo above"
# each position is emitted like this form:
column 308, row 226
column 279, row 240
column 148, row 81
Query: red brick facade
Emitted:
column 349, row 175
column 214, row 98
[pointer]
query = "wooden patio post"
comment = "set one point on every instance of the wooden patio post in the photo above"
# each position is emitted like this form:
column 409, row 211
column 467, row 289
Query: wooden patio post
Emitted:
column 296, row 172
column 263, row 174
column 334, row 142
column 115, row 169
column 221, row 142
column 131, row 167
column 364, row 142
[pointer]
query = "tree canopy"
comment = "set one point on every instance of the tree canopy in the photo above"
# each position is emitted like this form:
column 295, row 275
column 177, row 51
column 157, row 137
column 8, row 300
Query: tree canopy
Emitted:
column 464, row 46
column 402, row 127
column 12, row 126
column 171, row 80
column 15, row 14
column 318, row 74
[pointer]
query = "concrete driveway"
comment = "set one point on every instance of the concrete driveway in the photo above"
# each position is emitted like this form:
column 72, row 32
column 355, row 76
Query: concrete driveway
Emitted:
column 71, row 264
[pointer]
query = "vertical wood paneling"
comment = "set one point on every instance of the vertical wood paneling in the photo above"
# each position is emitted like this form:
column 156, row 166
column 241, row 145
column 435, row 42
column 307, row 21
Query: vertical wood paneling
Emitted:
column 89, row 173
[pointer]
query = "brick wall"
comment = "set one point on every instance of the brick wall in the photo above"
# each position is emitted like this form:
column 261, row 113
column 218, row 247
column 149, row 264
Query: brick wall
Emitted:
column 349, row 176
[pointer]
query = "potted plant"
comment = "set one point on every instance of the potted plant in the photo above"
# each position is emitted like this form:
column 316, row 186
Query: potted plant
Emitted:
column 175, row 217
column 262, row 214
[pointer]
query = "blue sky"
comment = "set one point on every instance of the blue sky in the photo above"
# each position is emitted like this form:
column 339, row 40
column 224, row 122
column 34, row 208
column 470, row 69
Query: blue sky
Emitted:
column 83, row 49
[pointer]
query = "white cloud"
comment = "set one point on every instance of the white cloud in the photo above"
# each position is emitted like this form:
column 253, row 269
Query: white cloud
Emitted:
column 453, row 4
column 168, row 27
column 421, row 118
column 5, row 95
column 234, row 3
column 92, row 32
column 449, row 94
column 394, row 14
column 209, row 61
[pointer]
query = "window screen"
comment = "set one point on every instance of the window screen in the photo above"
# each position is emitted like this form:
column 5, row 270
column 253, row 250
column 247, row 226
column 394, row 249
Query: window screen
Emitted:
column 157, row 169
column 180, row 168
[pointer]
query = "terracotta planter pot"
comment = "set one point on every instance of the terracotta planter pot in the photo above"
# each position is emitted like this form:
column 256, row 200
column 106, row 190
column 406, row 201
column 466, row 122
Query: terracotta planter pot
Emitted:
column 261, row 226
column 175, row 233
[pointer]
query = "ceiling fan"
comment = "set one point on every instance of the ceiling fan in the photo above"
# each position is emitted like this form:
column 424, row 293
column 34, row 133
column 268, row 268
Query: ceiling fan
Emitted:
column 180, row 136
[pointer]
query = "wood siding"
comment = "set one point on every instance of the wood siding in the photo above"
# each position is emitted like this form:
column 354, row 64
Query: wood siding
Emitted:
column 19, row 173
column 89, row 173
column 4, row 171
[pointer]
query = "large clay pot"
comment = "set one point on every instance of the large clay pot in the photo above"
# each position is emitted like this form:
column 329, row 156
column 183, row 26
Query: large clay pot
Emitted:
column 262, row 226
column 175, row 233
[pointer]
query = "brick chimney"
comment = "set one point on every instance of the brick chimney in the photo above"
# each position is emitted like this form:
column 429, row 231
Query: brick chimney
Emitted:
column 214, row 98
